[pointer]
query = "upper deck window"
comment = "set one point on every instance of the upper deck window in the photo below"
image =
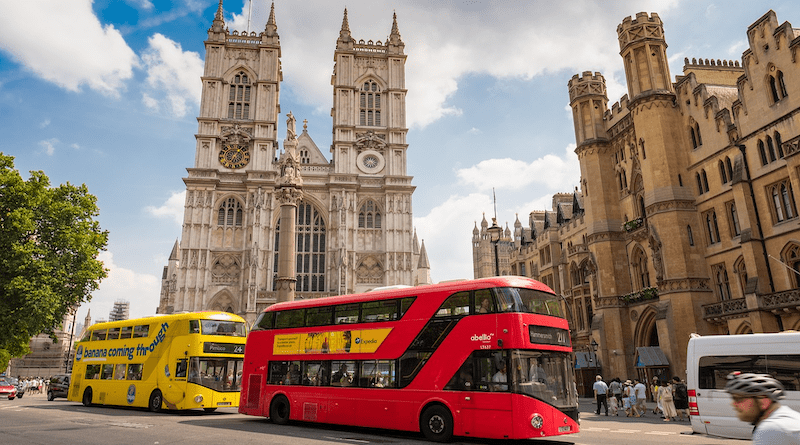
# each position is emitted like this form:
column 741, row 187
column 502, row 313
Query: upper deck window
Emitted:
column 511, row 299
column 221, row 327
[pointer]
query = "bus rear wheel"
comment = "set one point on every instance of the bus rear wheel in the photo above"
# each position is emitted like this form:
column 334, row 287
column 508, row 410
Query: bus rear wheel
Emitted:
column 156, row 399
column 279, row 410
column 436, row 423
column 87, row 397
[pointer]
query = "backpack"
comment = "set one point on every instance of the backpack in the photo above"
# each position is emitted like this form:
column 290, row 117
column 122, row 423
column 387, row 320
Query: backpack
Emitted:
column 680, row 392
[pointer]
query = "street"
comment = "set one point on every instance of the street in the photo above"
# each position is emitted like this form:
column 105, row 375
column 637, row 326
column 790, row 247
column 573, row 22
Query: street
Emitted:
column 34, row 420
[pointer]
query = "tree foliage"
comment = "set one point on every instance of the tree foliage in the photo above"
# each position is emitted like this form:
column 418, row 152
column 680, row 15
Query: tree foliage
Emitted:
column 49, row 242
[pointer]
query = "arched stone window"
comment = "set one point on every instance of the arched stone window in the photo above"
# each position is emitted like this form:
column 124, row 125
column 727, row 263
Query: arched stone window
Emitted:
column 310, row 249
column 230, row 213
column 762, row 152
column 791, row 257
column 640, row 270
column 370, row 104
column 740, row 269
column 239, row 97
column 369, row 215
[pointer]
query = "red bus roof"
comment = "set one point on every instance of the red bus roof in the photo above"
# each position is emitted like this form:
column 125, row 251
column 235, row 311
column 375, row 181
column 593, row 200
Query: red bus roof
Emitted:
column 452, row 286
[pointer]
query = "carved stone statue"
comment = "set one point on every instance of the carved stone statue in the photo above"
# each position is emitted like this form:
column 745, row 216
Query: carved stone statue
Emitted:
column 291, row 127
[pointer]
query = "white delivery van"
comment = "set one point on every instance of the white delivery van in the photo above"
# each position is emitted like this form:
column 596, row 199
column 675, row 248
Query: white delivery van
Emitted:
column 711, row 358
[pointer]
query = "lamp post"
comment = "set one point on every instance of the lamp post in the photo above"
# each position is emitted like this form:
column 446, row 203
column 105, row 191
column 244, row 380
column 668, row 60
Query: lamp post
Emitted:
column 593, row 352
column 494, row 234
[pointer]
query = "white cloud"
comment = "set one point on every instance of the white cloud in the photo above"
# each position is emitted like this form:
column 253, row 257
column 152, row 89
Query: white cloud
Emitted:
column 146, row 5
column 150, row 102
column 142, row 290
column 44, row 123
column 75, row 146
column 474, row 130
column 550, row 171
column 49, row 146
column 63, row 42
column 172, row 208
column 445, row 229
column 173, row 73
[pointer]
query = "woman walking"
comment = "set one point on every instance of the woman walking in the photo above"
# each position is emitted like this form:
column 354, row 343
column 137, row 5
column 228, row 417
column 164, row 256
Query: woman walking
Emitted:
column 667, row 401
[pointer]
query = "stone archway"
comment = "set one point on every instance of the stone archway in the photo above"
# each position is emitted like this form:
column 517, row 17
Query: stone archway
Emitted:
column 646, row 333
column 223, row 302
column 744, row 328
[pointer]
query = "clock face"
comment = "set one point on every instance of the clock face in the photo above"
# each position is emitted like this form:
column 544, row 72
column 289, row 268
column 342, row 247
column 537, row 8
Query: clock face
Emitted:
column 370, row 161
column 234, row 155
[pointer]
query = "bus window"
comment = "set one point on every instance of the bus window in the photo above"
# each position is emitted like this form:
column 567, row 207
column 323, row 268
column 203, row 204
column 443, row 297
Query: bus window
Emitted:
column 528, row 300
column 292, row 376
column 180, row 368
column 290, row 319
column 490, row 371
column 227, row 328
column 314, row 374
column 484, row 302
column 194, row 326
column 99, row 334
column 544, row 375
column 113, row 334
column 319, row 316
column 405, row 303
column 377, row 374
column 135, row 371
column 372, row 311
column 141, row 331
column 127, row 332
column 219, row 374
column 108, row 372
column 714, row 370
column 345, row 374
column 346, row 313
column 455, row 305
column 277, row 372
column 462, row 380
column 264, row 321
column 119, row 371
column 87, row 336
column 410, row 364
column 92, row 371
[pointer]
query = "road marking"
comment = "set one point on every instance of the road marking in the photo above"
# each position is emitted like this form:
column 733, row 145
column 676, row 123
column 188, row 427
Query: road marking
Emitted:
column 592, row 428
column 346, row 439
column 130, row 425
column 625, row 431
column 660, row 433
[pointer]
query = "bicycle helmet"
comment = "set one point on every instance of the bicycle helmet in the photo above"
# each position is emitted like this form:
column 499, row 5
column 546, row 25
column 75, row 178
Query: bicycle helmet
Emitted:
column 754, row 385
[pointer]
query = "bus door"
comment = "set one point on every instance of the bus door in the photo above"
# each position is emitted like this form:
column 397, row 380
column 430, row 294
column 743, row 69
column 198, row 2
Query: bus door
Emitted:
column 484, row 398
column 175, row 389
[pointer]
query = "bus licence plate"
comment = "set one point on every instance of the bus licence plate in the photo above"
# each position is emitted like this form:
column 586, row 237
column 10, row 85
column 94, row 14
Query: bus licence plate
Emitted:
column 224, row 403
column 564, row 429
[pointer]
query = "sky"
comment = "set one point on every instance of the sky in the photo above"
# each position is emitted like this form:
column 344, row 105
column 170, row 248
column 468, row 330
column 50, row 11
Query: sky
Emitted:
column 106, row 93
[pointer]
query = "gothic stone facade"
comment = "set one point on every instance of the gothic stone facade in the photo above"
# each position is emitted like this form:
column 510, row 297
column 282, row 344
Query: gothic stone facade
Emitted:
column 686, row 219
column 354, row 223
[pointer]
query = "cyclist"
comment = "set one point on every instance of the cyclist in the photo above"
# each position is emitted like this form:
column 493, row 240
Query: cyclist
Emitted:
column 755, row 399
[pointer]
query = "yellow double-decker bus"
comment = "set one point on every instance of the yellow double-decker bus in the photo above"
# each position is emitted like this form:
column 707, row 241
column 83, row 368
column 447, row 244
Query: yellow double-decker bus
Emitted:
column 180, row 361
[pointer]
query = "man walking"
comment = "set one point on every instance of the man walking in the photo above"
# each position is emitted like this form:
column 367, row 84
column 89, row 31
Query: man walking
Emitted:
column 681, row 398
column 600, row 394
column 755, row 399
column 641, row 397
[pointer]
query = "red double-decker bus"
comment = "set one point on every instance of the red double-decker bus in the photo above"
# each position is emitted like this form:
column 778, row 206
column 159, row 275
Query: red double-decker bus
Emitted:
column 487, row 358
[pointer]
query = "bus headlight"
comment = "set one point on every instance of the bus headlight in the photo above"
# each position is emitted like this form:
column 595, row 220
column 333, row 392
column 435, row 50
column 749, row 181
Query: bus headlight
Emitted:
column 537, row 421
column 198, row 398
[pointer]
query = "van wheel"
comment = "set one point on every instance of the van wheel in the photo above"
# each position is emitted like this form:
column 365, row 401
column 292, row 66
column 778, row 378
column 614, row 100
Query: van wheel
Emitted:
column 50, row 396
column 436, row 423
column 209, row 410
column 87, row 397
column 156, row 399
column 279, row 410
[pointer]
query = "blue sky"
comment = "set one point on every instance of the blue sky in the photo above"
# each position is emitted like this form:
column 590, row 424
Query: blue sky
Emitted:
column 106, row 93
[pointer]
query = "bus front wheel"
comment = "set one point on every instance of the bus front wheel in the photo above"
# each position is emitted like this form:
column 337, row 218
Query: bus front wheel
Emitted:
column 87, row 397
column 436, row 423
column 209, row 410
column 279, row 410
column 156, row 399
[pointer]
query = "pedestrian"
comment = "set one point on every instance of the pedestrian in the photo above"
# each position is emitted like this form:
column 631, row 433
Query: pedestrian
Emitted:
column 615, row 388
column 641, row 397
column 681, row 397
column 628, row 399
column 755, row 399
column 600, row 393
column 667, row 401
column 654, row 392
column 613, row 404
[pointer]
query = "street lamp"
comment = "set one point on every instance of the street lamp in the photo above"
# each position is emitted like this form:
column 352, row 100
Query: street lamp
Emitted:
column 494, row 235
column 593, row 353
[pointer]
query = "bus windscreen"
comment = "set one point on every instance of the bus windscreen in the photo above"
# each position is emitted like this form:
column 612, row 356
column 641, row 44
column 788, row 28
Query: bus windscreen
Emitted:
column 513, row 299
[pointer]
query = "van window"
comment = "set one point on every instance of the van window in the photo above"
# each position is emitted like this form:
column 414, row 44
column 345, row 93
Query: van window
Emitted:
column 714, row 370
column 126, row 332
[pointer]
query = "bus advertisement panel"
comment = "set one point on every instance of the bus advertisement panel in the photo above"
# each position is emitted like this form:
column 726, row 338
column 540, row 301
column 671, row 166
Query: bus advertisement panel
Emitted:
column 182, row 361
column 487, row 358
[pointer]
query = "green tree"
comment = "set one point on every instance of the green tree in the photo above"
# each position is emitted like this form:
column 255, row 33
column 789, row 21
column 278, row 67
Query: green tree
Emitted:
column 49, row 242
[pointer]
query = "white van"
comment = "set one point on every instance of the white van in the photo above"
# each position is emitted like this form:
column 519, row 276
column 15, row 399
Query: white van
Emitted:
column 711, row 358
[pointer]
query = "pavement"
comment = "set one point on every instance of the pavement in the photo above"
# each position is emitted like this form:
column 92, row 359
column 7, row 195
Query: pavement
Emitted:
column 587, row 407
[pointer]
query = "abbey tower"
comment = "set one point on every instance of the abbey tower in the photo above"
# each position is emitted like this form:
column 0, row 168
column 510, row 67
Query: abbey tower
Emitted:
column 354, row 222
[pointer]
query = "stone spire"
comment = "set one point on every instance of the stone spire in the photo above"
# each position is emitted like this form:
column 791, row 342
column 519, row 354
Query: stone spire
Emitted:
column 218, row 25
column 395, row 43
column 344, row 33
column 272, row 28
